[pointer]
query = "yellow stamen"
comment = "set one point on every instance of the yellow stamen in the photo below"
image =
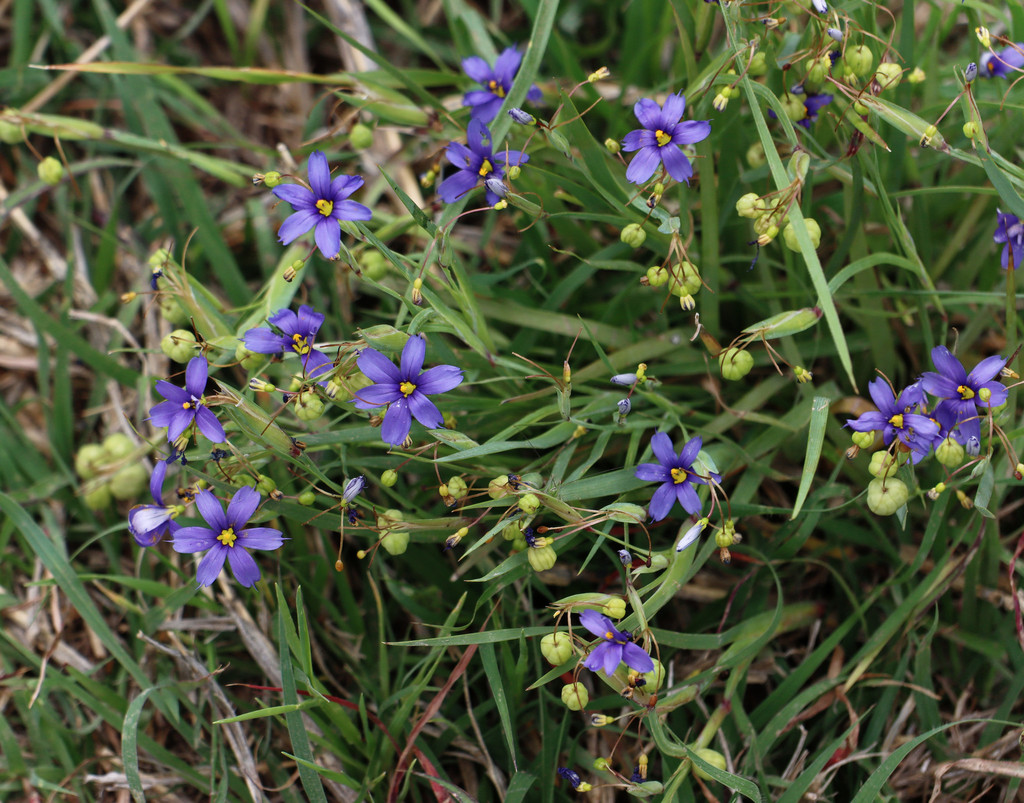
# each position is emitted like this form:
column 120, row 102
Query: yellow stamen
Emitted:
column 663, row 138
column 609, row 635
column 486, row 167
column 407, row 388
column 496, row 88
column 186, row 406
column 299, row 344
column 897, row 421
column 965, row 392
column 227, row 537
column 325, row 207
column 679, row 475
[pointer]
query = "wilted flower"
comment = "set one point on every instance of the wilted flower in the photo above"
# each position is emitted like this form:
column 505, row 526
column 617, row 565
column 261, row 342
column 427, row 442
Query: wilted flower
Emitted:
column 476, row 161
column 1011, row 232
column 322, row 207
column 298, row 333
column 404, row 389
column 227, row 537
column 185, row 406
column 896, row 418
column 675, row 474
column 962, row 392
column 572, row 777
column 485, row 103
column 617, row 647
column 1000, row 65
column 150, row 523
column 659, row 140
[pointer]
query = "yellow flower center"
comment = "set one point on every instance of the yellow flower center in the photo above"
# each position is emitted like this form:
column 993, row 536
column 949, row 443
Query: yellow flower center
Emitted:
column 679, row 475
column 186, row 406
column 486, row 167
column 897, row 421
column 965, row 392
column 325, row 207
column 407, row 388
column 496, row 88
column 227, row 537
column 609, row 635
column 663, row 138
column 299, row 344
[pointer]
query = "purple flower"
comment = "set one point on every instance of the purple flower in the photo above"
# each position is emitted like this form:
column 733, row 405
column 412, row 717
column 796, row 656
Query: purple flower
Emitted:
column 814, row 104
column 404, row 389
column 1010, row 231
column 618, row 647
column 485, row 103
column 227, row 537
column 476, row 162
column 148, row 524
column 570, row 776
column 659, row 139
column 896, row 418
column 961, row 392
column 1000, row 65
column 183, row 407
column 675, row 474
column 322, row 207
column 297, row 335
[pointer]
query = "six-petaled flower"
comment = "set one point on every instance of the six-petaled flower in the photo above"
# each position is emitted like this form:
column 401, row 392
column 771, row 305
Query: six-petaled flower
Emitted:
column 322, row 207
column 476, row 162
column 148, row 524
column 1003, row 64
column 659, row 140
column 617, row 647
column 297, row 335
column 899, row 418
column 676, row 475
column 404, row 389
column 1010, row 231
column 185, row 406
column 485, row 103
column 962, row 393
column 227, row 537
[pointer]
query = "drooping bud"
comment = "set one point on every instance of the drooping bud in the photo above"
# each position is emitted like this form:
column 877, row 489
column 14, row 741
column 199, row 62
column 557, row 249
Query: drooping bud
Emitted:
column 794, row 108
column 813, row 231
column 529, row 504
column 884, row 464
column 308, row 405
column 522, row 117
column 750, row 206
column 626, row 380
column 950, row 453
column 888, row 75
column 691, row 535
column 684, row 279
column 758, row 65
column 835, row 33
column 709, row 756
column 541, row 558
column 971, row 72
column 179, row 345
column 859, row 59
column 612, row 145
column 556, row 648
column 863, row 439
column 50, row 171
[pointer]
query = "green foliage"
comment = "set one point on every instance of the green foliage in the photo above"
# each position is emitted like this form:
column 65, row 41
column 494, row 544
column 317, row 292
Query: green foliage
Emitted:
column 810, row 645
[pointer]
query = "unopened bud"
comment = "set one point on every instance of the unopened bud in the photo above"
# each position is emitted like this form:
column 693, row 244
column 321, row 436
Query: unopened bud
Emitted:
column 50, row 171
column 598, row 75
column 612, row 145
column 521, row 117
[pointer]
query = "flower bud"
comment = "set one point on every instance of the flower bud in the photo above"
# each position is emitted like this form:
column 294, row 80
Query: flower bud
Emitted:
column 260, row 386
column 973, row 446
column 360, row 137
column 813, row 231
column 599, row 721
column 389, row 478
column 50, row 171
column 179, row 345
column 950, row 453
column 613, row 145
column 886, row 496
column 863, row 439
column 575, row 696
column 709, row 756
column 888, row 75
column 521, row 117
column 971, row 72
column 735, row 363
column 529, row 504
column 623, row 406
column 633, row 235
column 835, row 33
column 750, row 206
column 984, row 394
column 984, row 36
column 820, row 6
column 308, row 406
column 720, row 102
column 541, row 558
column 691, row 535
column 859, row 60
column 625, row 380
column 556, row 648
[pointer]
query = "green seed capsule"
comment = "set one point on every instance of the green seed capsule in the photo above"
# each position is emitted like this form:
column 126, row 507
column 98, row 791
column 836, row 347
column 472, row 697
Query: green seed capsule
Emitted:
column 886, row 496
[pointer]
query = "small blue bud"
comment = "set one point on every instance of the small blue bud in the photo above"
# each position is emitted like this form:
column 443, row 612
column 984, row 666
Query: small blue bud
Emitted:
column 353, row 488
column 625, row 558
column 973, row 446
column 796, row 89
column 820, row 6
column 624, row 405
column 835, row 33
column 497, row 186
column 971, row 73
column 624, row 379
column 521, row 117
